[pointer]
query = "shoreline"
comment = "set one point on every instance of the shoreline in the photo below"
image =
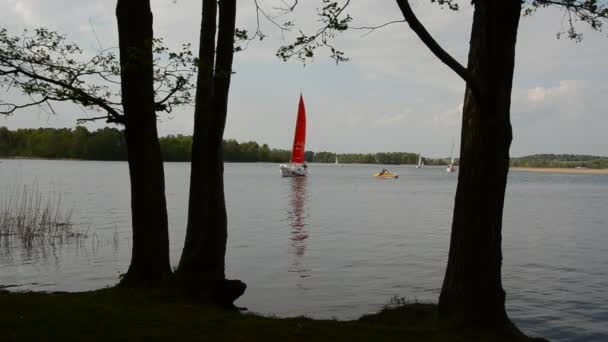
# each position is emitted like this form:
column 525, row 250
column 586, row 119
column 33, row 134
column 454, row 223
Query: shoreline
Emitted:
column 511, row 168
column 114, row 314
column 560, row 170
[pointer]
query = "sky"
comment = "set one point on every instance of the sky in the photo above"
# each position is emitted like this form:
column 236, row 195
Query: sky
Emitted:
column 393, row 94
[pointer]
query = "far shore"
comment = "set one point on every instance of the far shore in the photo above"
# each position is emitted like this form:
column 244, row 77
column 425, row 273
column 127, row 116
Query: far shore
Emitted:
column 561, row 170
column 512, row 168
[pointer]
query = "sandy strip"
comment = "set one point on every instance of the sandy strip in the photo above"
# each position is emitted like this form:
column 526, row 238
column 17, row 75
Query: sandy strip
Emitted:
column 561, row 170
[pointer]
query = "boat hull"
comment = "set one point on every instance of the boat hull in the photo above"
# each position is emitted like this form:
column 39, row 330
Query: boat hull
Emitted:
column 293, row 170
column 387, row 175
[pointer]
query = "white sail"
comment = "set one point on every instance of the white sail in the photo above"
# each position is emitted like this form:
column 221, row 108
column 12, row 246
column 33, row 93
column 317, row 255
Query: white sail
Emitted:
column 451, row 167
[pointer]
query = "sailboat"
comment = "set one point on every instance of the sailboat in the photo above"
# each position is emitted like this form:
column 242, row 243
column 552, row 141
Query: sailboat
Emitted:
column 451, row 167
column 420, row 163
column 297, row 166
column 336, row 162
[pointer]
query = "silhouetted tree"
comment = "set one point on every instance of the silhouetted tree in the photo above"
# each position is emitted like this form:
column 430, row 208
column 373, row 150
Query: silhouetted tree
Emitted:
column 150, row 253
column 202, row 265
column 48, row 69
column 472, row 290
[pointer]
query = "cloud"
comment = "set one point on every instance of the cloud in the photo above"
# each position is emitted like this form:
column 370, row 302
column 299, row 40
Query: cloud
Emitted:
column 449, row 118
column 568, row 101
column 389, row 120
column 566, row 88
column 24, row 10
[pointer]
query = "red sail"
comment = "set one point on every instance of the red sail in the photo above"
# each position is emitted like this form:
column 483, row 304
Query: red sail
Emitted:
column 297, row 153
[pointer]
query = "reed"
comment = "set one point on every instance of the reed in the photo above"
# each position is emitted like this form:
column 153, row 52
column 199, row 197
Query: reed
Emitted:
column 29, row 215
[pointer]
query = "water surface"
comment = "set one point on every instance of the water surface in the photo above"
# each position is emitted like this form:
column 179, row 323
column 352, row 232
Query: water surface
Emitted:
column 340, row 243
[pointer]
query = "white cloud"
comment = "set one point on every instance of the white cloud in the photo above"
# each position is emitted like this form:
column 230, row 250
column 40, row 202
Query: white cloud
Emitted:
column 24, row 9
column 565, row 89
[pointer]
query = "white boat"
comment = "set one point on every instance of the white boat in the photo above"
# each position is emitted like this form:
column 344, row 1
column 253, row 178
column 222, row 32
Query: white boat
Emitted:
column 336, row 162
column 451, row 167
column 297, row 166
column 293, row 170
column 420, row 163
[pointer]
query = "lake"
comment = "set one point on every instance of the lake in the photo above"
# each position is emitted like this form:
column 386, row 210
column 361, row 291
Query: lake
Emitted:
column 339, row 243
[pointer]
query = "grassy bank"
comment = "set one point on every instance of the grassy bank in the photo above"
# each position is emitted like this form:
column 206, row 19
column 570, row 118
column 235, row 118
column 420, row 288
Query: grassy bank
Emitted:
column 126, row 315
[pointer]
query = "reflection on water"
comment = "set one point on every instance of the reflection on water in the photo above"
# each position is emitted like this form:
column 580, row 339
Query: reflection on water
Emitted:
column 296, row 216
column 338, row 243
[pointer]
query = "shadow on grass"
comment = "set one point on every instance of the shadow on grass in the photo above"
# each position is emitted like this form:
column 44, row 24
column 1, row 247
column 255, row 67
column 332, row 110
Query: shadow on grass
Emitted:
column 119, row 314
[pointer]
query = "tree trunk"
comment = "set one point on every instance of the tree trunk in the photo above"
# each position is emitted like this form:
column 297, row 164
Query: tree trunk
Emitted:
column 472, row 290
column 202, row 265
column 150, row 255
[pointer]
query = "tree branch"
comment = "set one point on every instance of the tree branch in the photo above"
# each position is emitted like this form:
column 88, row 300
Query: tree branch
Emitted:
column 371, row 29
column 435, row 48
column 13, row 107
column 86, row 98
column 44, row 65
column 161, row 105
column 108, row 118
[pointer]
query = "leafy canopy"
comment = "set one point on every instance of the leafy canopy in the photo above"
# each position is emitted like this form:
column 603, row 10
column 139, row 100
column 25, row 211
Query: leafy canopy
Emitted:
column 47, row 68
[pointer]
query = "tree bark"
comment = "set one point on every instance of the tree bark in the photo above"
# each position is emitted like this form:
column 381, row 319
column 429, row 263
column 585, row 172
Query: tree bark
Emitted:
column 472, row 290
column 150, row 255
column 202, row 265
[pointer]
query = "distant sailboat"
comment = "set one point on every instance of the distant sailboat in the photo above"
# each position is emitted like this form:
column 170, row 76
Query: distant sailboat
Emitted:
column 336, row 162
column 451, row 167
column 420, row 163
column 297, row 166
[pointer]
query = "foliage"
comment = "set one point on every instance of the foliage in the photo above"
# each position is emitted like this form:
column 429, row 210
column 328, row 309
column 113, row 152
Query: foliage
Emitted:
column 103, row 144
column 561, row 161
column 47, row 68
column 335, row 19
column 592, row 12
column 109, row 144
column 384, row 158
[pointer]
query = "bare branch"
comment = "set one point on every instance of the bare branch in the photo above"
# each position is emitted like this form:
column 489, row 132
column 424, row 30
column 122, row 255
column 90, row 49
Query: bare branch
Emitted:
column 435, row 48
column 108, row 118
column 371, row 29
column 288, row 8
column 11, row 108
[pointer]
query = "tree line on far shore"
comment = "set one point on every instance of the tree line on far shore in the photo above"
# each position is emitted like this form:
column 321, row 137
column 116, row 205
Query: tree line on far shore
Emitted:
column 47, row 68
column 561, row 161
column 109, row 144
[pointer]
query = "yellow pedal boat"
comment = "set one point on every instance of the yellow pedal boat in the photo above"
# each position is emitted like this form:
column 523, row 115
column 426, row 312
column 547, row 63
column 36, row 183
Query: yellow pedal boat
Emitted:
column 386, row 175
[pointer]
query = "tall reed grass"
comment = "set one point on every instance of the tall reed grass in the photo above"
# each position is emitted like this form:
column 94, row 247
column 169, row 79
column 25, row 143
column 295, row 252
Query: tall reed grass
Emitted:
column 29, row 215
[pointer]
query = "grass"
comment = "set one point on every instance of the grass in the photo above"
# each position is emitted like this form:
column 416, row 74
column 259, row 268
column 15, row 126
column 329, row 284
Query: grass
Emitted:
column 119, row 314
column 33, row 217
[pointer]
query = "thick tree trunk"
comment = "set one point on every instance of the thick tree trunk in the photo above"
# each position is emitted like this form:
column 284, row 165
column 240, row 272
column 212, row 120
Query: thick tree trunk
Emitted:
column 202, row 265
column 150, row 256
column 197, row 232
column 472, row 290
